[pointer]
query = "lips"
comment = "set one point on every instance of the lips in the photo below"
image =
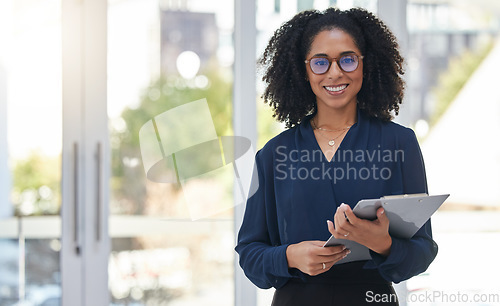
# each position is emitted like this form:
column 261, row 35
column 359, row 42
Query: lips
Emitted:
column 335, row 89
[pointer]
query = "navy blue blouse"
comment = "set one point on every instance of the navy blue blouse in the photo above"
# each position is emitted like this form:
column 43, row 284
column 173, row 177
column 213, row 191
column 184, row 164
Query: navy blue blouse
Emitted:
column 299, row 190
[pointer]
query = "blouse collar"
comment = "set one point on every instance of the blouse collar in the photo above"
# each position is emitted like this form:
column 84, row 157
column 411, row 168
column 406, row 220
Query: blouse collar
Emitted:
column 357, row 136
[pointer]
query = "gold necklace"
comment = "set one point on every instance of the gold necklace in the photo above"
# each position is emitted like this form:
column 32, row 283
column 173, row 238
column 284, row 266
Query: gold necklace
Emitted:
column 331, row 142
column 327, row 130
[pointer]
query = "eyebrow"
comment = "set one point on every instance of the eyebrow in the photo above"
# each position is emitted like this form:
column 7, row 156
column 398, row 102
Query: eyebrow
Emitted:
column 342, row 53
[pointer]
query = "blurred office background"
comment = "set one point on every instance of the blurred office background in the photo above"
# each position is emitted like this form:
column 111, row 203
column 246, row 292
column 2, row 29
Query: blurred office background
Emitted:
column 80, row 224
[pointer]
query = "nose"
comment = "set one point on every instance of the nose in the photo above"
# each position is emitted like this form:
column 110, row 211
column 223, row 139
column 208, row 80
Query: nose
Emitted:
column 335, row 70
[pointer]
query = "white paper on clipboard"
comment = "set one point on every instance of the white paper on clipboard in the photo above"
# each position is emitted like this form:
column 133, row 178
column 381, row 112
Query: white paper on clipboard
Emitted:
column 406, row 213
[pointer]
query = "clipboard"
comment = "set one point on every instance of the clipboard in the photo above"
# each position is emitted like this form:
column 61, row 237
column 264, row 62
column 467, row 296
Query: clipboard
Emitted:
column 406, row 213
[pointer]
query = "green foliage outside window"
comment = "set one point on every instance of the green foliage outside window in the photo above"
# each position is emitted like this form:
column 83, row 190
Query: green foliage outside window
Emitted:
column 460, row 69
column 36, row 185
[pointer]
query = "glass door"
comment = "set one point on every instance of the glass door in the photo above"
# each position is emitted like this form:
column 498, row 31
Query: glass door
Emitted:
column 85, row 244
column 172, row 233
column 169, row 89
column 30, row 152
column 53, row 144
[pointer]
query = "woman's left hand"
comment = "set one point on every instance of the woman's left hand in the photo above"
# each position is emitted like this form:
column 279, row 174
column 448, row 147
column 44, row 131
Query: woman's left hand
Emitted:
column 372, row 234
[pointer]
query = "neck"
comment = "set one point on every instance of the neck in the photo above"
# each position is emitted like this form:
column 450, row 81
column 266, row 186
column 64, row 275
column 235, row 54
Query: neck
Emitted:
column 336, row 118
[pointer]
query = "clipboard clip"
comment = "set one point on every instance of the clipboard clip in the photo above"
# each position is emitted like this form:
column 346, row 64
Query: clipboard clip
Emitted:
column 400, row 196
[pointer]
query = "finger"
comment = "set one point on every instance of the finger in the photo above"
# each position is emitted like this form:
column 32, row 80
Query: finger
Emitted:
column 342, row 255
column 349, row 214
column 342, row 225
column 319, row 249
column 346, row 214
column 338, row 232
column 317, row 243
column 325, row 266
column 339, row 256
column 339, row 218
column 327, row 263
column 331, row 228
column 336, row 216
column 382, row 216
column 332, row 250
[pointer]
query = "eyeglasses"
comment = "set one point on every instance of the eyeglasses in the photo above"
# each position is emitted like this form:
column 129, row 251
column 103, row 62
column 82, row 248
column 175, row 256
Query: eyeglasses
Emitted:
column 321, row 64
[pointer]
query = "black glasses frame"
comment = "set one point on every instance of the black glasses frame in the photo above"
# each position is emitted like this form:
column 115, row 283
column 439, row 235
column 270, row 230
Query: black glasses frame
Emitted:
column 337, row 60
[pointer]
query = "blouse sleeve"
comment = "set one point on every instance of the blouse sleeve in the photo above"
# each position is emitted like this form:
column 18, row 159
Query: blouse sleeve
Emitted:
column 263, row 261
column 409, row 257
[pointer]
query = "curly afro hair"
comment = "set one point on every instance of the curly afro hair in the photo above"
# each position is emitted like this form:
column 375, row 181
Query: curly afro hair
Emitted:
column 291, row 96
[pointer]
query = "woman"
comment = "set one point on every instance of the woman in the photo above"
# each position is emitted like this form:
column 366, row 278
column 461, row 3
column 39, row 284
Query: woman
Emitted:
column 334, row 78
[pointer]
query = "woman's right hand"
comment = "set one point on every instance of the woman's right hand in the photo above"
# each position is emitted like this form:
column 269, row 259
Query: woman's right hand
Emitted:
column 312, row 258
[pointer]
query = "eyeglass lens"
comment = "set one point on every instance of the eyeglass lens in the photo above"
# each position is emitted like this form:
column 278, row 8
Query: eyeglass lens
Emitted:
column 347, row 63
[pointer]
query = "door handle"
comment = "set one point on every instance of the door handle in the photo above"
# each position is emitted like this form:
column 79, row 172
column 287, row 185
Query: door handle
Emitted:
column 76, row 215
column 98, row 208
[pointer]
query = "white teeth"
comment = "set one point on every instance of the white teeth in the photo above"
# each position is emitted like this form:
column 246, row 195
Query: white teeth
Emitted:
column 336, row 88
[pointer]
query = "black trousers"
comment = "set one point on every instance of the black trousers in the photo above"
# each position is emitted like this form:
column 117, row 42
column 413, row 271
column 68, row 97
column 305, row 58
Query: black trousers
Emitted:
column 299, row 293
column 349, row 284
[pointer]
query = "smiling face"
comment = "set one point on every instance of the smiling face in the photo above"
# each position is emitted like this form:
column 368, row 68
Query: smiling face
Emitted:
column 335, row 89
